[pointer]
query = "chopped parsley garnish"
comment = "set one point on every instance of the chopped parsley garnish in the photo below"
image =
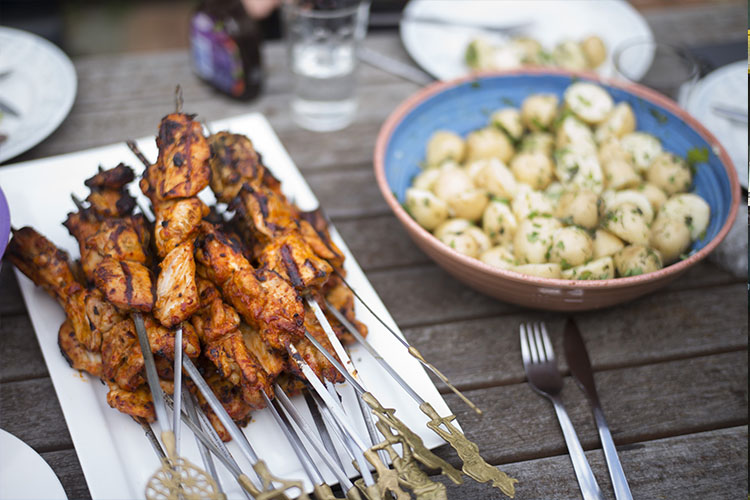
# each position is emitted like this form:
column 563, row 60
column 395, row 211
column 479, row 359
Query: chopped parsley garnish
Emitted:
column 507, row 101
column 697, row 155
column 634, row 272
column 533, row 236
column 660, row 117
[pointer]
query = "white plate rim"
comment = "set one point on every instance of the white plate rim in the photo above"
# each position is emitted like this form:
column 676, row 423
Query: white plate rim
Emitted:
column 46, row 484
column 413, row 49
column 68, row 74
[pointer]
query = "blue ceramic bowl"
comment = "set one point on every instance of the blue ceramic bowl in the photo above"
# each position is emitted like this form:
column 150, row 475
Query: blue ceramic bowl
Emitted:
column 465, row 105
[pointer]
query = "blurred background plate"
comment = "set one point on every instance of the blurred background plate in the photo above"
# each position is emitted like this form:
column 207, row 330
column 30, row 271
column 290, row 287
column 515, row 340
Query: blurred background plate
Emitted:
column 24, row 475
column 39, row 82
column 439, row 50
column 4, row 224
column 725, row 86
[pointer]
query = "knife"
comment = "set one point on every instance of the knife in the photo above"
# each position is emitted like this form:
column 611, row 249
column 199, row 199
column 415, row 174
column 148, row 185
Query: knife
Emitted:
column 580, row 368
column 509, row 29
column 6, row 108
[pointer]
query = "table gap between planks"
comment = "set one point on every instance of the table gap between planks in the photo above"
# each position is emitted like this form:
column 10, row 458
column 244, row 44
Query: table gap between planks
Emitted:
column 671, row 367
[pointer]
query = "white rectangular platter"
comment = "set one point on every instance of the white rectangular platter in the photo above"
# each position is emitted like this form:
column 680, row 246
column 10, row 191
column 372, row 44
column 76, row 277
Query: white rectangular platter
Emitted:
column 115, row 455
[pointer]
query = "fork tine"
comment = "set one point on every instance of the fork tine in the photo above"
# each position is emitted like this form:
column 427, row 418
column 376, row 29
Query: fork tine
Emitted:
column 533, row 345
column 539, row 344
column 547, row 342
column 525, row 355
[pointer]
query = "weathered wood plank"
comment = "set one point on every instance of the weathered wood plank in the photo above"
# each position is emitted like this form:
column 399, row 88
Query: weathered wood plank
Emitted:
column 68, row 469
column 21, row 346
column 11, row 301
column 30, row 410
column 641, row 403
column 702, row 465
column 656, row 328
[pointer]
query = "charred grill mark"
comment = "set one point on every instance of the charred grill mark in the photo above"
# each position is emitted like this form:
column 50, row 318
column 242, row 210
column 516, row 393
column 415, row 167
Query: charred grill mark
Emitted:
column 291, row 266
column 262, row 202
column 125, row 204
column 168, row 130
column 128, row 281
column 114, row 237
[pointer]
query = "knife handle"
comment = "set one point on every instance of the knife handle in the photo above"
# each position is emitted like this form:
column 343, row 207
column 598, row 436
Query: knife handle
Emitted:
column 619, row 483
column 586, row 480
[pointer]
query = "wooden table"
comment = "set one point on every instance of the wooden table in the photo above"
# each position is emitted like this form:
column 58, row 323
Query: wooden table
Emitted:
column 671, row 367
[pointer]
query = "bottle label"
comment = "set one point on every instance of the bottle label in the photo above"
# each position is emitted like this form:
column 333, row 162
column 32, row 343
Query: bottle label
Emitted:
column 216, row 57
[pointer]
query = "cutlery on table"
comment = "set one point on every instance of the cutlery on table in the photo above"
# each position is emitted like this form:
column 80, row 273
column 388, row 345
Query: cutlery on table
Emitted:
column 580, row 368
column 730, row 113
column 393, row 66
column 8, row 109
column 540, row 365
column 508, row 29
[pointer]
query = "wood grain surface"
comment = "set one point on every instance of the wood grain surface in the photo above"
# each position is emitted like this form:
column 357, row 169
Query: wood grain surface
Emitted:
column 671, row 368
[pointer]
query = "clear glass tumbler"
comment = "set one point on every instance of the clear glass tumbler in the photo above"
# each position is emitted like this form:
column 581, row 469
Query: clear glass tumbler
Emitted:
column 322, row 39
column 671, row 70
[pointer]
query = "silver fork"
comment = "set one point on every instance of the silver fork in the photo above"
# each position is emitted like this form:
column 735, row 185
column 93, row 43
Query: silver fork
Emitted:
column 541, row 370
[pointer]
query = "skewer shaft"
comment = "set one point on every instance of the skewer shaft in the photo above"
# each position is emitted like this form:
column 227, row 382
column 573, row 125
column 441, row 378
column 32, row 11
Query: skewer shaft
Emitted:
column 322, row 429
column 177, row 388
column 151, row 376
column 152, row 438
column 332, row 359
column 208, row 462
column 291, row 411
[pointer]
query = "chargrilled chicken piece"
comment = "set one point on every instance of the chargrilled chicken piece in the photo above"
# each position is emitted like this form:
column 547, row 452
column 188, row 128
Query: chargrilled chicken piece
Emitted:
column 122, row 360
column 119, row 239
column 77, row 356
column 291, row 384
column 292, row 258
column 262, row 298
column 227, row 393
column 177, row 221
column 217, row 326
column 273, row 362
column 137, row 402
column 127, row 285
column 269, row 213
column 234, row 162
column 114, row 178
column 41, row 261
column 111, row 203
column 341, row 297
column 161, row 339
column 314, row 228
column 176, row 292
column 317, row 361
column 181, row 170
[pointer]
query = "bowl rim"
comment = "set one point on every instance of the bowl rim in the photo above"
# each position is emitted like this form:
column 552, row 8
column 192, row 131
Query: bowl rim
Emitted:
column 408, row 105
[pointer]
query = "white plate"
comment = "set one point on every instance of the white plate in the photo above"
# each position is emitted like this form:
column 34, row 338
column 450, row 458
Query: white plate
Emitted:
column 40, row 85
column 728, row 86
column 24, row 475
column 115, row 456
column 439, row 50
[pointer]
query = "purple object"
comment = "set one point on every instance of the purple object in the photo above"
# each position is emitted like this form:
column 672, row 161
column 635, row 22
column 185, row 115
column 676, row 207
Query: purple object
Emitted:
column 4, row 223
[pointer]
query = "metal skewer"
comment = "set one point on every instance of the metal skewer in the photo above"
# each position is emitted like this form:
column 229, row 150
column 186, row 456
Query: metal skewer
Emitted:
column 177, row 388
column 322, row 429
column 411, row 349
column 208, row 462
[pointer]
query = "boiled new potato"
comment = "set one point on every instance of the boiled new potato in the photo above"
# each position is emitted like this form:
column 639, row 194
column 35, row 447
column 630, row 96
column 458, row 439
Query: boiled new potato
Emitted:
column 427, row 209
column 528, row 202
column 620, row 121
column 655, row 196
column 499, row 222
column 533, row 168
column 611, row 149
column 671, row 237
column 599, row 269
column 642, row 149
column 426, row 180
column 494, row 177
column 483, row 241
column 468, row 205
column 634, row 260
column 533, row 239
column 451, row 182
column 530, row 49
column 690, row 209
column 538, row 141
column 445, row 145
column 462, row 243
column 509, row 121
column 606, row 244
column 452, row 227
column 570, row 55
column 538, row 111
column 543, row 270
column 580, row 207
column 670, row 173
column 580, row 168
column 479, row 54
column 571, row 247
column 594, row 50
column 627, row 223
column 620, row 174
column 488, row 143
column 499, row 257
column 590, row 102
column 573, row 132
column 634, row 197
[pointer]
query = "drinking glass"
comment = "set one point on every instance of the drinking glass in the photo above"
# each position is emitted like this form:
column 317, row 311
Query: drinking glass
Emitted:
column 322, row 37
column 673, row 71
